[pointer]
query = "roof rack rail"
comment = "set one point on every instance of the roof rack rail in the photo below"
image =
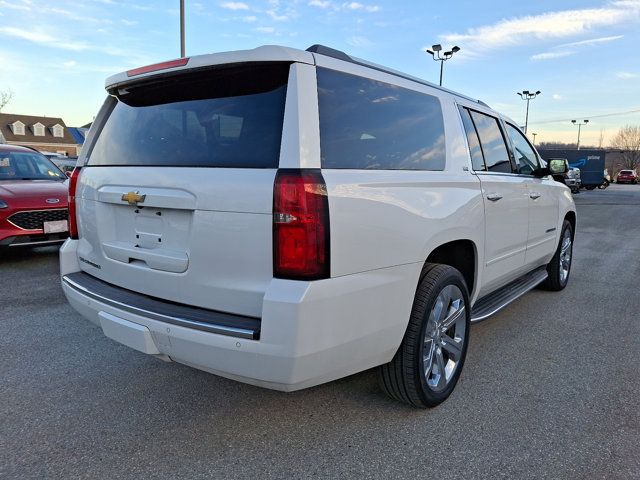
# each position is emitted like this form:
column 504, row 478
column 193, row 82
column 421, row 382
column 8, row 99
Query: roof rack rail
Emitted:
column 340, row 55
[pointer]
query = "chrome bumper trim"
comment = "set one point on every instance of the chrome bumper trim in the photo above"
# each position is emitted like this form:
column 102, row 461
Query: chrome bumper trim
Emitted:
column 41, row 243
column 182, row 322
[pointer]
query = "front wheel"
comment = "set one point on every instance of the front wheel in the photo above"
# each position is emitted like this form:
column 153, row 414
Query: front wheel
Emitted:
column 426, row 367
column 559, row 267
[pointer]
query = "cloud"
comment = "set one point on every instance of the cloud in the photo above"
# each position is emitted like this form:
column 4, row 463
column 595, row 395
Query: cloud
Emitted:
column 40, row 38
column 74, row 16
column 31, row 36
column 359, row 41
column 555, row 96
column 320, row 3
column 592, row 41
column 360, row 6
column 552, row 55
column 249, row 18
column 129, row 23
column 545, row 26
column 278, row 17
column 70, row 63
column 265, row 29
column 14, row 6
column 627, row 75
column 235, row 6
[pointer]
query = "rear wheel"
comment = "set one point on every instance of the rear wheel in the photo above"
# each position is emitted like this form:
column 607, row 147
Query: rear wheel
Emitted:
column 426, row 367
column 559, row 267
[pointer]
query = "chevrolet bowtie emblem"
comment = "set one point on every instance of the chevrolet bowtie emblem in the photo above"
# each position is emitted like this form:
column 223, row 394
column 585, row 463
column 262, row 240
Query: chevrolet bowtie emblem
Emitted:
column 133, row 198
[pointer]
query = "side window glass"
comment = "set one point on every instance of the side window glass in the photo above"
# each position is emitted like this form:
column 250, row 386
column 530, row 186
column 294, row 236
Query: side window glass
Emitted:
column 526, row 159
column 495, row 151
column 367, row 124
column 477, row 160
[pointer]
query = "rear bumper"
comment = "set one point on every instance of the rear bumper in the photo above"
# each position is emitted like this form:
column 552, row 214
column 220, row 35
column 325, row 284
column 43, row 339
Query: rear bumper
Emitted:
column 310, row 332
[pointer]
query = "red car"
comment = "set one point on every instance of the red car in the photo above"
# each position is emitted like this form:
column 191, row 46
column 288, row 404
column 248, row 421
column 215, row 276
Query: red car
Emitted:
column 627, row 176
column 33, row 199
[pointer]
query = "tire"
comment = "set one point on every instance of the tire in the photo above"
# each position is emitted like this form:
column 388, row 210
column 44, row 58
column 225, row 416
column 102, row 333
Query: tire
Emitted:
column 414, row 375
column 559, row 268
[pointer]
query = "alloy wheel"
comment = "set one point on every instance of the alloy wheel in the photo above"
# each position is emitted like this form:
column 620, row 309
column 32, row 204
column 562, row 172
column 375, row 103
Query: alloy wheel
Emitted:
column 565, row 256
column 444, row 338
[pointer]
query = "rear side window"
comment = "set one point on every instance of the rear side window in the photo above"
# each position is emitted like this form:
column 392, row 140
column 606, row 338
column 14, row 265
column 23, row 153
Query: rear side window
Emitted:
column 496, row 156
column 477, row 160
column 366, row 124
column 222, row 117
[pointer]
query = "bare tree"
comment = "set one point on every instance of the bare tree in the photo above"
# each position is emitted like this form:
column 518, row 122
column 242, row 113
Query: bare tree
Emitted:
column 601, row 138
column 5, row 97
column 627, row 141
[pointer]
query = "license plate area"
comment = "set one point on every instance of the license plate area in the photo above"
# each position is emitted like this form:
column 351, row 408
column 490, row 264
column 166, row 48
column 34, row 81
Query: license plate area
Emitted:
column 145, row 227
column 56, row 226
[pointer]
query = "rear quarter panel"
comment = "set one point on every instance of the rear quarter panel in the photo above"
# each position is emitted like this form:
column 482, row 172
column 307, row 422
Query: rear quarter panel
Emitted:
column 386, row 218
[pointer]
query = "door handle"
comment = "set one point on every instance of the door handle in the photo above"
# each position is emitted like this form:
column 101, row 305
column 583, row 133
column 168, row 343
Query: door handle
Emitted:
column 494, row 197
column 534, row 195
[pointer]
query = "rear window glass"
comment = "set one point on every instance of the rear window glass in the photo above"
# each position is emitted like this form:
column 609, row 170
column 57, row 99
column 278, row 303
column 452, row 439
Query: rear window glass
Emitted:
column 366, row 124
column 224, row 117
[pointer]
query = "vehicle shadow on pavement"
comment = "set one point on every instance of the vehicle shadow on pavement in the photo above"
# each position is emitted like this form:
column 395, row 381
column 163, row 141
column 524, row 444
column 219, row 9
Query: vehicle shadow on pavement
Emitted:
column 17, row 254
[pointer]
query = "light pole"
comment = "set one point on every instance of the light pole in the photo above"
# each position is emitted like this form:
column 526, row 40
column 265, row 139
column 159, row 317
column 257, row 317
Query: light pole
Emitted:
column 435, row 53
column 575, row 122
column 534, row 138
column 182, row 49
column 528, row 96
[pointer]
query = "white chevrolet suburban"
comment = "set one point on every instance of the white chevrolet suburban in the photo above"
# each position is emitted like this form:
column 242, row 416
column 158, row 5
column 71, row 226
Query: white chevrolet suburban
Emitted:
column 286, row 218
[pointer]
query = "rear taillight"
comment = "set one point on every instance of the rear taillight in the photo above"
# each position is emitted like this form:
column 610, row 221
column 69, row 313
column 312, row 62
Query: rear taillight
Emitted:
column 300, row 225
column 73, row 222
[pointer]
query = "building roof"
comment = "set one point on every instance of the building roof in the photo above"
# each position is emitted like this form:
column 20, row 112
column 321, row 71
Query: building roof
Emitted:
column 7, row 119
column 78, row 134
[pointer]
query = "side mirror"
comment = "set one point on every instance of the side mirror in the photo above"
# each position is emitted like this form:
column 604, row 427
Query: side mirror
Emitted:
column 558, row 166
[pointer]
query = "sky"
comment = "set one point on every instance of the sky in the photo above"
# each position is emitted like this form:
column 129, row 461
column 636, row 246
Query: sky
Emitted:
column 582, row 55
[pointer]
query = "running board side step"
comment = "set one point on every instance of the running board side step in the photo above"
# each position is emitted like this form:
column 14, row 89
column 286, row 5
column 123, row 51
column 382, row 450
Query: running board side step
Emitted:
column 496, row 301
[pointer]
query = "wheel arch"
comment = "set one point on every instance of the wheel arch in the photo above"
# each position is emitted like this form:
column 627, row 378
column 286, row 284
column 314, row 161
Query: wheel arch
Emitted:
column 571, row 217
column 460, row 254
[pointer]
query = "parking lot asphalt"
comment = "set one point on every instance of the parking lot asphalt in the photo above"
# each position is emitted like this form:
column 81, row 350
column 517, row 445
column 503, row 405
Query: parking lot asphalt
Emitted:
column 550, row 389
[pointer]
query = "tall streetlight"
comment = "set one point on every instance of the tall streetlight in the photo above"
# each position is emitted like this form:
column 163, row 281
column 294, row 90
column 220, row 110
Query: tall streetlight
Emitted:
column 575, row 122
column 435, row 53
column 534, row 138
column 182, row 49
column 528, row 96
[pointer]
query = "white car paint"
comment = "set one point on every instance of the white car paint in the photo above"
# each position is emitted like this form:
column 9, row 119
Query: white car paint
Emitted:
column 217, row 243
